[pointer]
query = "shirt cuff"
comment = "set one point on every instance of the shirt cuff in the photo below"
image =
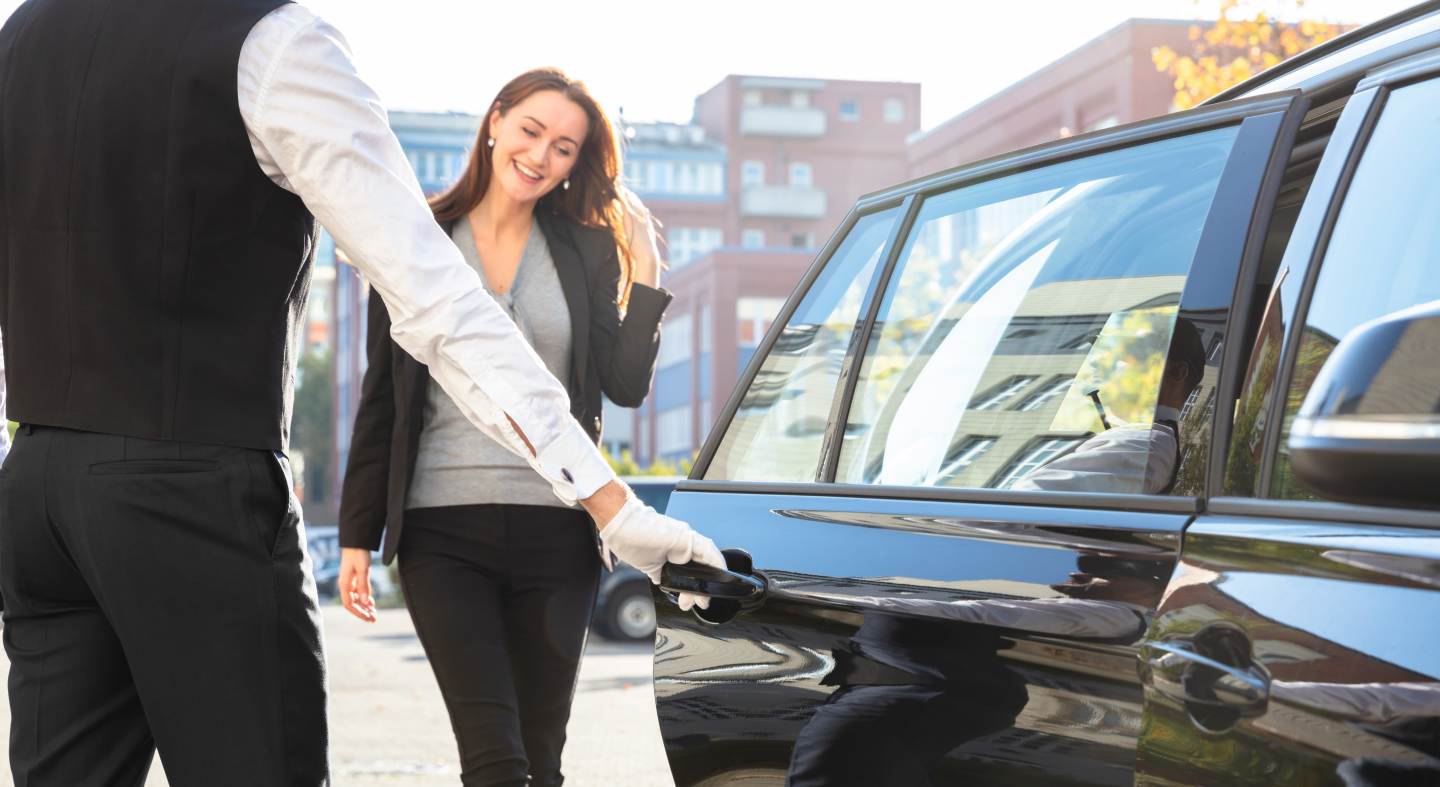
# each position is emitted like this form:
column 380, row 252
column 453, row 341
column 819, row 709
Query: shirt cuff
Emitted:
column 574, row 465
column 647, row 303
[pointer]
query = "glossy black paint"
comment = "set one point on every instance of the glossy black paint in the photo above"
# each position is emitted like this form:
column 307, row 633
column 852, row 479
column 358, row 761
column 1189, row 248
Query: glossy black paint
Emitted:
column 982, row 636
column 898, row 638
column 1345, row 444
column 1339, row 622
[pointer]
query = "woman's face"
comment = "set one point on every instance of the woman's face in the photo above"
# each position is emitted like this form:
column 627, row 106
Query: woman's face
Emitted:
column 536, row 144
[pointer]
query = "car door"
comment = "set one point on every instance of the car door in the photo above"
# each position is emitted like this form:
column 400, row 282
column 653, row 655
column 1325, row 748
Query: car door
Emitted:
column 1297, row 640
column 937, row 602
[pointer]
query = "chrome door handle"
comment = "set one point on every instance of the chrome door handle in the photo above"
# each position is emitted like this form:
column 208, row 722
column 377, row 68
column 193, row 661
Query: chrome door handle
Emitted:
column 710, row 581
column 1192, row 679
column 732, row 590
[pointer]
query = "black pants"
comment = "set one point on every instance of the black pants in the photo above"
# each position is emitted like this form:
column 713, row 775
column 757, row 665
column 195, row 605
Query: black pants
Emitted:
column 501, row 598
column 157, row 594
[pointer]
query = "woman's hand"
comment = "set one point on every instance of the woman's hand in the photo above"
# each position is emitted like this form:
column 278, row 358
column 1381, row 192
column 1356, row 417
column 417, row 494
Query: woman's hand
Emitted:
column 644, row 241
column 354, row 583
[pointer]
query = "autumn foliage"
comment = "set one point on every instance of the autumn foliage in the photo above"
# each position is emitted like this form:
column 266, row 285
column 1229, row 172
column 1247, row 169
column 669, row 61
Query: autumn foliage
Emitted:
column 1247, row 38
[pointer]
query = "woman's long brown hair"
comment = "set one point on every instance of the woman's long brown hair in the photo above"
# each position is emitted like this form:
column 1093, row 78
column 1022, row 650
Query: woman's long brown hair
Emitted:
column 592, row 199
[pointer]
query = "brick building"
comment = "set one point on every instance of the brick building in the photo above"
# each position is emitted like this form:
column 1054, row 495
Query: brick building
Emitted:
column 1108, row 81
column 746, row 193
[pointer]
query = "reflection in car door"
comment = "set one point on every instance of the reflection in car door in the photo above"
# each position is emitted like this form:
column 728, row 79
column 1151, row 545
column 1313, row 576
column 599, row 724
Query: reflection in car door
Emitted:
column 1296, row 643
column 926, row 619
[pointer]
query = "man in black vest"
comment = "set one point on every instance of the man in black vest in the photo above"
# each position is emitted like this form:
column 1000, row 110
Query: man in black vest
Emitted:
column 162, row 165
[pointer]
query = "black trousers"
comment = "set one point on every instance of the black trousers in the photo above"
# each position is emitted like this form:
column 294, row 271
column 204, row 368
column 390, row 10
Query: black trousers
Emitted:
column 501, row 597
column 157, row 594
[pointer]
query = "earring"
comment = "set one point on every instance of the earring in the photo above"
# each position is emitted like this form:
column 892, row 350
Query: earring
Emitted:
column 566, row 184
column 491, row 143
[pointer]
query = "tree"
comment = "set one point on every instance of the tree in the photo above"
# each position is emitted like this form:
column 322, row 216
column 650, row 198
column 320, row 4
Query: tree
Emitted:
column 313, row 432
column 1246, row 39
column 626, row 465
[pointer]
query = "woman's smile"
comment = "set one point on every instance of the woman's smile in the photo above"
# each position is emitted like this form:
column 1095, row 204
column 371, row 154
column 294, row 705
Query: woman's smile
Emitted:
column 526, row 174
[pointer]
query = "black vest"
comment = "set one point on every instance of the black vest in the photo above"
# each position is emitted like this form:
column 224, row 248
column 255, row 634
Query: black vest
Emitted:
column 152, row 279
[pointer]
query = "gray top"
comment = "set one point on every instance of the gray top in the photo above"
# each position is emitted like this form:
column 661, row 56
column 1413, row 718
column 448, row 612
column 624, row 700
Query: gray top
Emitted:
column 457, row 464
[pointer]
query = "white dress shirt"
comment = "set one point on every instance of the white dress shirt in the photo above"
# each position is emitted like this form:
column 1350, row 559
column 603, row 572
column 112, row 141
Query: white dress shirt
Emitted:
column 319, row 131
column 1129, row 459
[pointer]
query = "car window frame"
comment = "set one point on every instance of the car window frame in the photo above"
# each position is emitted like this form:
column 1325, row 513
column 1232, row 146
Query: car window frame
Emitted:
column 1358, row 122
column 898, row 230
column 1268, row 124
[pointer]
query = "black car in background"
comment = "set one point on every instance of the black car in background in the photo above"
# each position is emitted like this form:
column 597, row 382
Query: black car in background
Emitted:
column 1114, row 460
column 624, row 608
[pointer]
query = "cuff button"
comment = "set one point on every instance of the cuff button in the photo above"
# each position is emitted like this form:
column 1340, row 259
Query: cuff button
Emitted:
column 565, row 473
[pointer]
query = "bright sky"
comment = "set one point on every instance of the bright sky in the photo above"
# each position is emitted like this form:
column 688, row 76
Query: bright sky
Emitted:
column 653, row 57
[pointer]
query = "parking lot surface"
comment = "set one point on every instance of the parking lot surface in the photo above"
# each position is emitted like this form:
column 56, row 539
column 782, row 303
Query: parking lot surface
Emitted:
column 388, row 725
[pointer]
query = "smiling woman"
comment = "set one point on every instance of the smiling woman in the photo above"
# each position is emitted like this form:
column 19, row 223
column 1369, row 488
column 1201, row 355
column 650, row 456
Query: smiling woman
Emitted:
column 532, row 137
column 499, row 575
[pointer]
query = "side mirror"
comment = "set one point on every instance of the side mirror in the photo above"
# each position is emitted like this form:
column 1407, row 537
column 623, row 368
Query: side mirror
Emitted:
column 1369, row 431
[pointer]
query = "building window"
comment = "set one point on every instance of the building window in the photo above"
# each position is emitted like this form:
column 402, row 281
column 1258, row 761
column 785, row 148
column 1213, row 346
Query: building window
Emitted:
column 801, row 174
column 674, row 432
column 894, row 110
column 1045, row 394
column 712, row 178
column 660, row 176
column 850, row 109
column 689, row 243
column 965, row 454
column 1038, row 455
column 754, row 98
column 753, row 317
column 753, row 239
column 801, row 240
column 800, row 99
column 752, row 173
column 996, row 396
column 1109, row 121
column 685, row 177
column 675, row 344
column 677, row 177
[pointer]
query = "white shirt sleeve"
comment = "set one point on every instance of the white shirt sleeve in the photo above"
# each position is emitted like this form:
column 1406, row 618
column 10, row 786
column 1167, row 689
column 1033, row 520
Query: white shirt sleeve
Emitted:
column 319, row 131
column 1132, row 459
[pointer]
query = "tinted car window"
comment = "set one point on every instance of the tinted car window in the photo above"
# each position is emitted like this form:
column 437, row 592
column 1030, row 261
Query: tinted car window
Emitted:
column 1384, row 254
column 1023, row 340
column 777, row 432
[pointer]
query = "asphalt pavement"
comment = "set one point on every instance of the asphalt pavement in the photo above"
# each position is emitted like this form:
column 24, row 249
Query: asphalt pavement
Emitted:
column 389, row 727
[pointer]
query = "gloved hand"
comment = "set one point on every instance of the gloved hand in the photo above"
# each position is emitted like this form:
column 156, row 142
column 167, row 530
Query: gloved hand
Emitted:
column 647, row 540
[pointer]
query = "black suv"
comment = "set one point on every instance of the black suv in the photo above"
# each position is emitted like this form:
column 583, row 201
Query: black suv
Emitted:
column 1112, row 460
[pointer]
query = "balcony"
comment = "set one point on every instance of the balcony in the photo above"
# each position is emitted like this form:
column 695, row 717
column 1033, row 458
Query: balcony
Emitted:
column 782, row 202
column 782, row 122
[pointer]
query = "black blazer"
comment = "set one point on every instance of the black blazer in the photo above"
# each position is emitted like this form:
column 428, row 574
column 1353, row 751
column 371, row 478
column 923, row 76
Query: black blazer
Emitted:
column 608, row 355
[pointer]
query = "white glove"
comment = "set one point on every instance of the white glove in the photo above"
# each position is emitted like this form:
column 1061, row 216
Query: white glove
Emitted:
column 647, row 540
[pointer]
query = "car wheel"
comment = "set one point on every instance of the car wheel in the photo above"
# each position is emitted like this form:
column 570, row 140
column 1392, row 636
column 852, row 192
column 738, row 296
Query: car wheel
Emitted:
column 630, row 614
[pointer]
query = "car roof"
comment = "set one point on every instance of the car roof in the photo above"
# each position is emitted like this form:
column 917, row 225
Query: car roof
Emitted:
column 1345, row 59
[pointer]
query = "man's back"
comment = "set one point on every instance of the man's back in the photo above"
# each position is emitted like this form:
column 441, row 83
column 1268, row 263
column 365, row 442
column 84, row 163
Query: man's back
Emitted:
column 151, row 276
